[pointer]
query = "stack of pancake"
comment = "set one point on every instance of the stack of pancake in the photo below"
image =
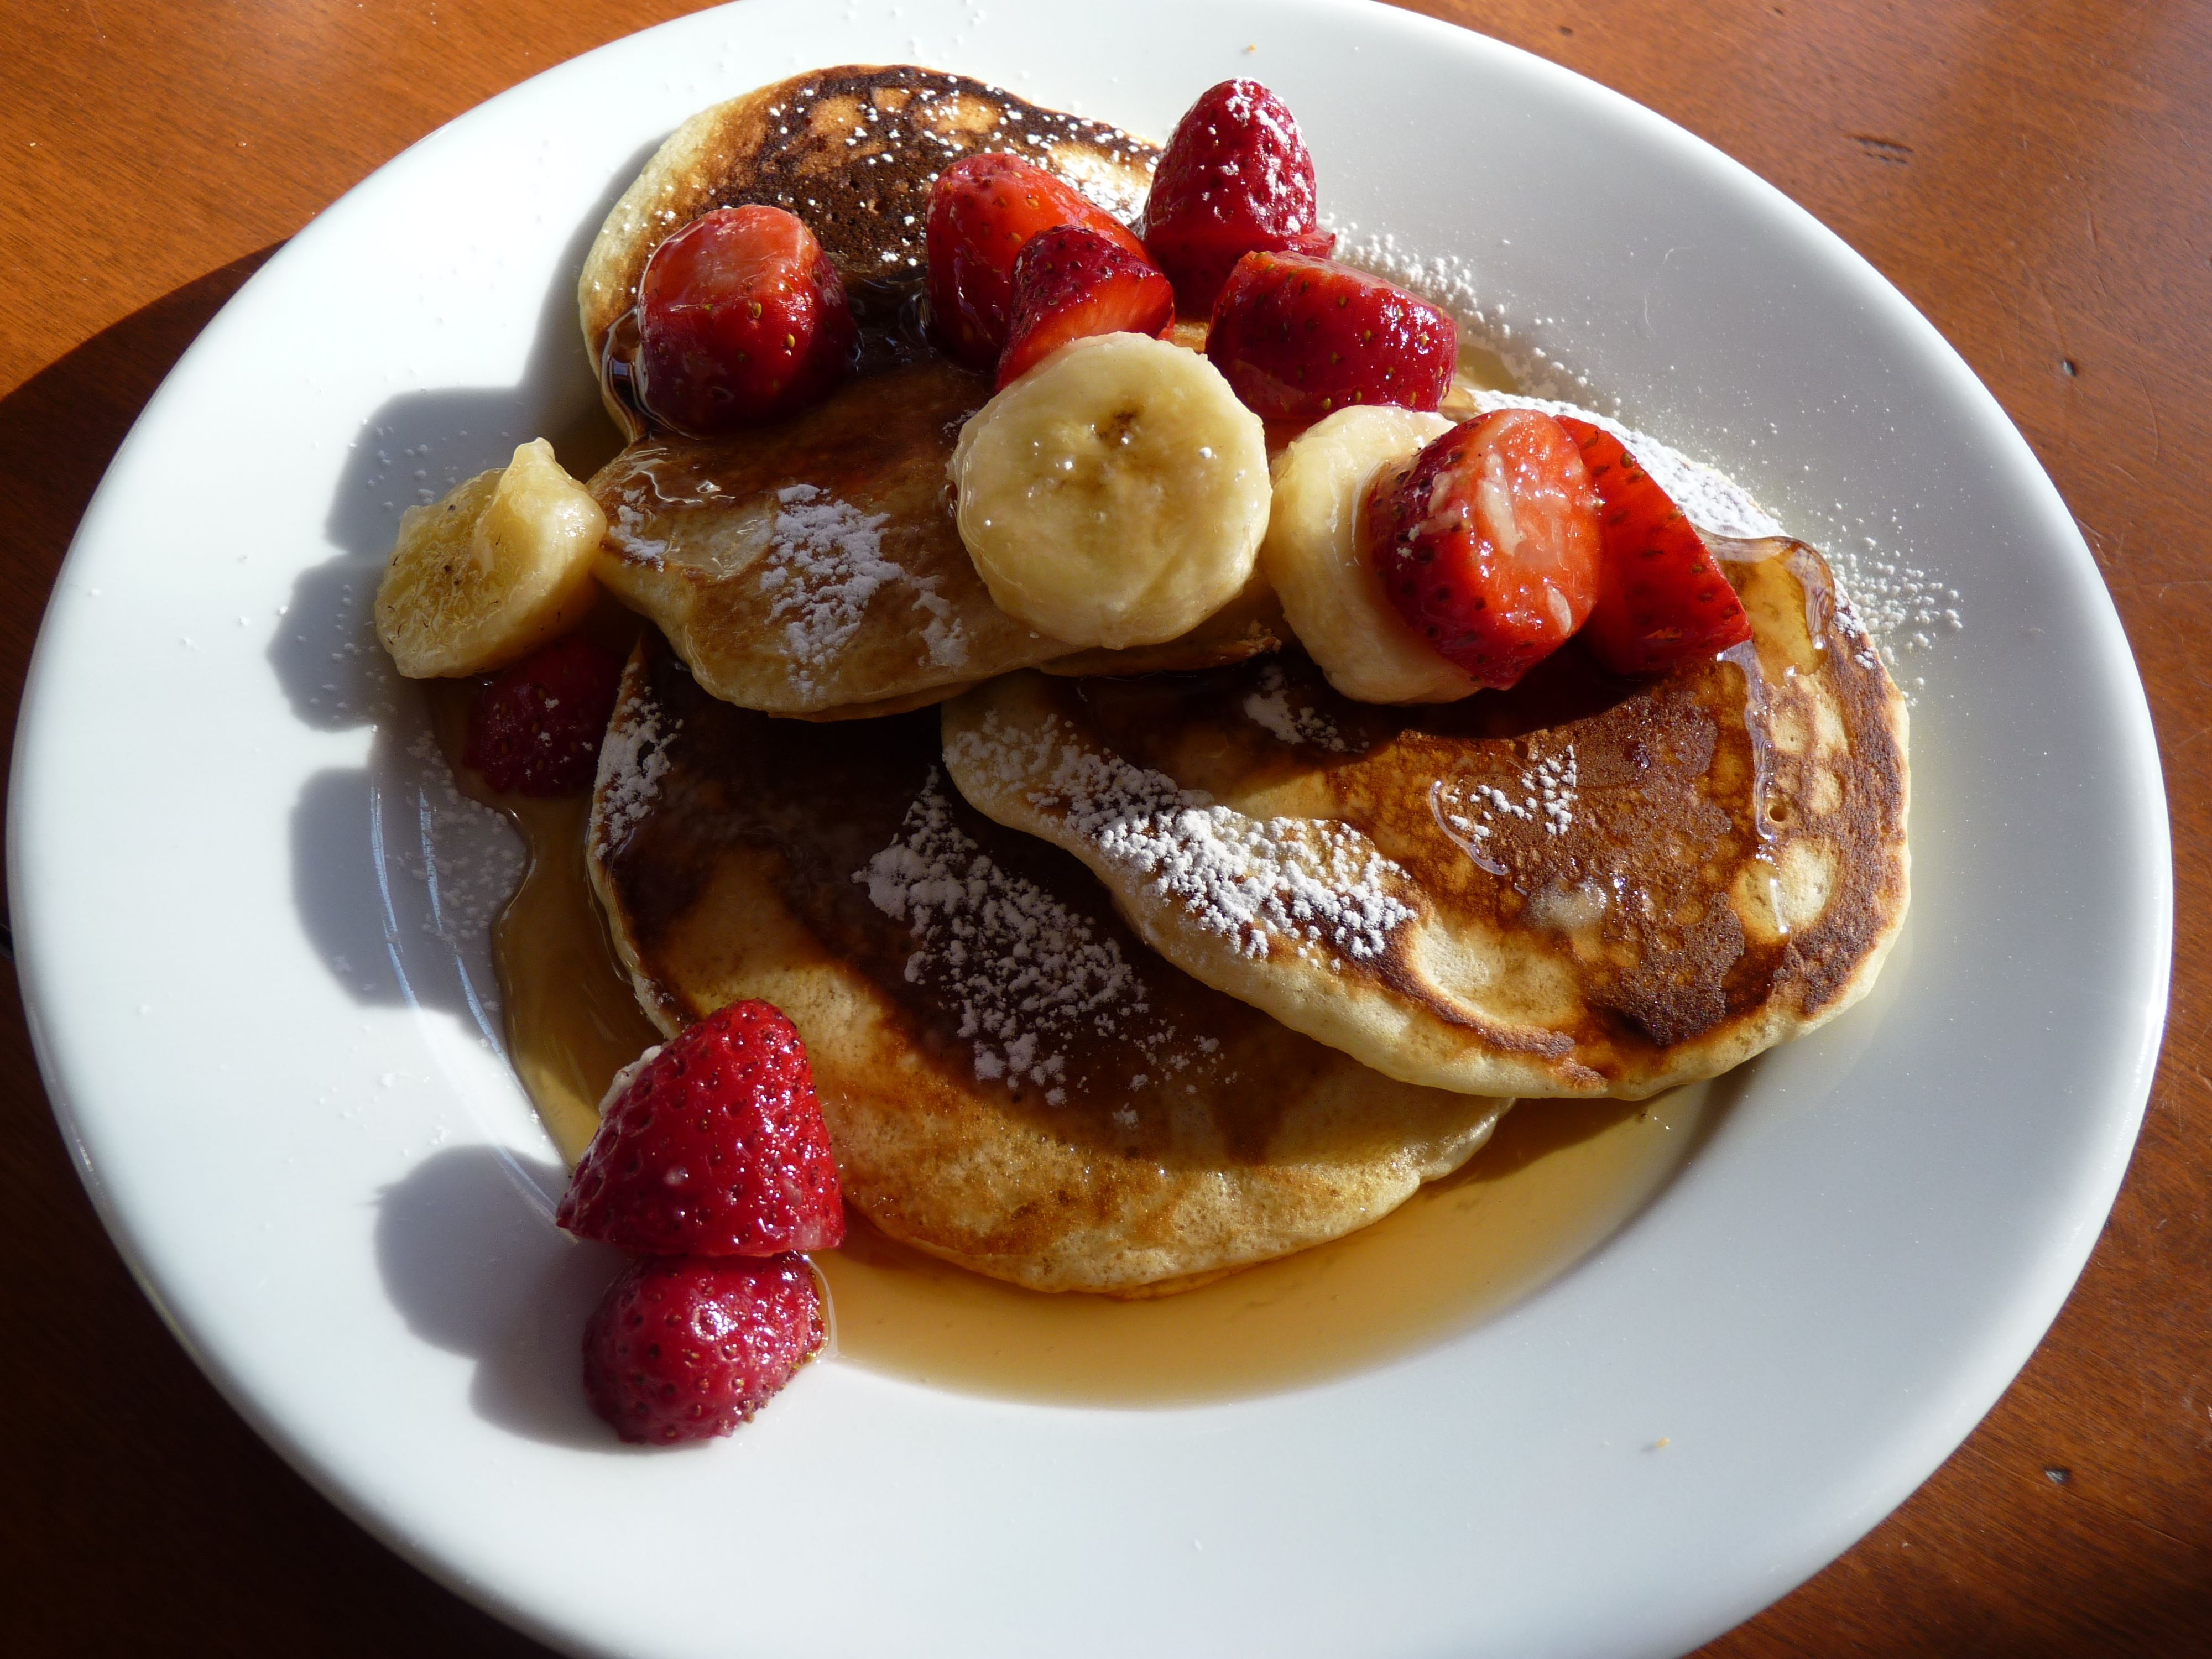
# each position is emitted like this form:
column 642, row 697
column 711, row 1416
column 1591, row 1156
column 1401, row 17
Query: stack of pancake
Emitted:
column 1122, row 971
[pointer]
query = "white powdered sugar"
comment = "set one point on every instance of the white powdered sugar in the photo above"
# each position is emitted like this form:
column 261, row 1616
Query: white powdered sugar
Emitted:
column 824, row 566
column 1026, row 973
column 1315, row 885
column 633, row 759
column 1546, row 797
column 1269, row 706
column 1900, row 603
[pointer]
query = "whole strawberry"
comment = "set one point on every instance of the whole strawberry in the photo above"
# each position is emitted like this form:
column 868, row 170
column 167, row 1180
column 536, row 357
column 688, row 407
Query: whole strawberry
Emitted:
column 711, row 1145
column 536, row 729
column 741, row 318
column 688, row 1347
column 983, row 211
column 1235, row 178
column 1661, row 599
column 1300, row 337
column 1070, row 282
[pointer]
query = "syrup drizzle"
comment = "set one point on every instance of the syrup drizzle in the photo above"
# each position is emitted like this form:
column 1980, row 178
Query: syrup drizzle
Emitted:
column 1557, row 1179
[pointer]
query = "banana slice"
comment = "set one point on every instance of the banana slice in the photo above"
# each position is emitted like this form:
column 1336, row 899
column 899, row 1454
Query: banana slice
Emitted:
column 500, row 566
column 1116, row 495
column 1331, row 595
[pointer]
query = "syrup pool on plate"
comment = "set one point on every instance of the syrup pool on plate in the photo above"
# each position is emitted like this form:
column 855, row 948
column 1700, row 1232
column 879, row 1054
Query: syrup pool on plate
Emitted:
column 1557, row 1178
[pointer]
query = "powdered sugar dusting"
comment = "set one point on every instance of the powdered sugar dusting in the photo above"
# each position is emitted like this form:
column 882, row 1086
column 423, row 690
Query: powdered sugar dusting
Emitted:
column 1470, row 809
column 1316, row 887
column 1269, row 705
column 1028, row 977
column 824, row 567
column 633, row 759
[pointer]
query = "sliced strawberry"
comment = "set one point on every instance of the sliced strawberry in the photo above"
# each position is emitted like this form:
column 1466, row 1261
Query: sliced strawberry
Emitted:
column 1235, row 177
column 740, row 318
column 536, row 729
column 982, row 211
column 1298, row 338
column 687, row 1347
column 1661, row 598
column 1488, row 544
column 711, row 1145
column 1070, row 282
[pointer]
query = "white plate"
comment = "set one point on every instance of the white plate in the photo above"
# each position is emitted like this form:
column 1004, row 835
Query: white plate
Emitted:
column 277, row 1085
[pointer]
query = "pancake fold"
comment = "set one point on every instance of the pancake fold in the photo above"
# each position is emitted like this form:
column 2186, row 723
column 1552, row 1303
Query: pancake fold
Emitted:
column 1586, row 886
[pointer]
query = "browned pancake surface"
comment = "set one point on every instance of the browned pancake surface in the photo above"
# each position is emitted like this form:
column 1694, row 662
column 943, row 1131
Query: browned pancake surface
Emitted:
column 1012, row 1080
column 1583, row 886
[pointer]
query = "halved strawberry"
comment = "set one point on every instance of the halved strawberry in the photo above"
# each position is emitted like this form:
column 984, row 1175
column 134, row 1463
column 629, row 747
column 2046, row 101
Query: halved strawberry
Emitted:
column 982, row 211
column 687, row 1347
column 1661, row 598
column 740, row 318
column 1487, row 544
column 1235, row 177
column 1299, row 337
column 1070, row 282
column 711, row 1145
column 536, row 729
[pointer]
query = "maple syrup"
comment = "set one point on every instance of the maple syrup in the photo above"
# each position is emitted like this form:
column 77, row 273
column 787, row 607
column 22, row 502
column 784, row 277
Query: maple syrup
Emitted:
column 1556, row 1180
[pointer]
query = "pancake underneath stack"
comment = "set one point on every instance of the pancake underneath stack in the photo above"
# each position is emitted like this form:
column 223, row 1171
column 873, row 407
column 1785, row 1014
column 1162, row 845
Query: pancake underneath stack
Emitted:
column 1011, row 1081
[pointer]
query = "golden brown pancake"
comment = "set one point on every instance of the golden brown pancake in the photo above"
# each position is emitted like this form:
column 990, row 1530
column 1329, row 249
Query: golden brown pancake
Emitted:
column 1585, row 886
column 853, row 151
column 1010, row 1080
column 856, row 597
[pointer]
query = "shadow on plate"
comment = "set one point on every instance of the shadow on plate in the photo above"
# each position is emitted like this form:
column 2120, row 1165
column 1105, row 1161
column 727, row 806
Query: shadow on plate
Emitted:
column 471, row 1258
column 397, row 877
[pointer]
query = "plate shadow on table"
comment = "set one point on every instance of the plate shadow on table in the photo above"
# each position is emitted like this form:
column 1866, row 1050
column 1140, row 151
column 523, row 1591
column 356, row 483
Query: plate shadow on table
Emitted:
column 470, row 1256
column 377, row 850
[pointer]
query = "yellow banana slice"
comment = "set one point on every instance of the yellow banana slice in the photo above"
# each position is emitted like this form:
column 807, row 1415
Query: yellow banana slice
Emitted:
column 500, row 566
column 1331, row 595
column 1116, row 495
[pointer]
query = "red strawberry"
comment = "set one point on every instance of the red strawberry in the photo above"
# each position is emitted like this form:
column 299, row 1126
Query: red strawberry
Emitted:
column 711, row 1145
column 687, row 1347
column 740, row 318
column 982, row 211
column 1298, row 338
column 1662, row 598
column 536, row 729
column 1070, row 282
column 1235, row 178
column 1488, row 543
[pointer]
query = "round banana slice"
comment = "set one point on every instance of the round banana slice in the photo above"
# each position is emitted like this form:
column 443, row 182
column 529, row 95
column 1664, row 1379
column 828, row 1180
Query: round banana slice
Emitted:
column 500, row 566
column 1331, row 596
column 1116, row 495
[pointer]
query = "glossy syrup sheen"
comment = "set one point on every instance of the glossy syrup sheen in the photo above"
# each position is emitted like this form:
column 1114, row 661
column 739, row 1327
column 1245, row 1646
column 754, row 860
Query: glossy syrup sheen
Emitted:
column 1557, row 1179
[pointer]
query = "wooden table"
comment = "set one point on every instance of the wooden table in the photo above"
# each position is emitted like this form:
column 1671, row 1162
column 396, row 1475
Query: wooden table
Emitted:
column 2034, row 174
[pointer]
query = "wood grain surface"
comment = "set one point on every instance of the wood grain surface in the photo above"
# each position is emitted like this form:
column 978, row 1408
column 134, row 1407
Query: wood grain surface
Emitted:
column 2034, row 174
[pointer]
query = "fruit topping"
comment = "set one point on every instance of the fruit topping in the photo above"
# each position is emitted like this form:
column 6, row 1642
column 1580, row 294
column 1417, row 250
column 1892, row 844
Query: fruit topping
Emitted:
column 982, row 212
column 494, row 570
column 687, row 1347
column 1300, row 337
column 1488, row 544
column 1315, row 560
column 1116, row 495
column 536, row 729
column 1661, row 598
column 740, row 318
column 711, row 1145
column 1235, row 179
column 1070, row 282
